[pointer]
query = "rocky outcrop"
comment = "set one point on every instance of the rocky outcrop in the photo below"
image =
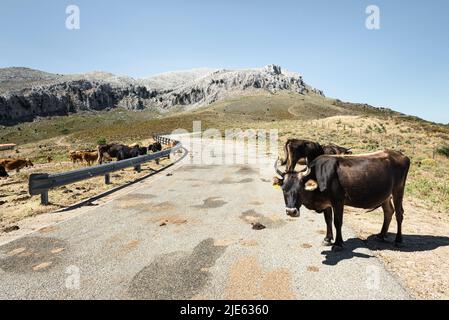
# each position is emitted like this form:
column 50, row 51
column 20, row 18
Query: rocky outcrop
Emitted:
column 224, row 83
column 33, row 94
column 68, row 97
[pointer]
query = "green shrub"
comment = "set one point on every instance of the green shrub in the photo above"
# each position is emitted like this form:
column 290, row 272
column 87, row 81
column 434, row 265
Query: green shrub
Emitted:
column 101, row 141
column 444, row 151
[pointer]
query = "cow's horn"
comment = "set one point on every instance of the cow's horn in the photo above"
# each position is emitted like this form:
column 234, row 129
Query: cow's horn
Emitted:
column 307, row 172
column 278, row 172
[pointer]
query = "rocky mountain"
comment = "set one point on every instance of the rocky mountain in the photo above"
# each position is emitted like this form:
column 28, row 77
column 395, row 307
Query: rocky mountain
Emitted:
column 26, row 94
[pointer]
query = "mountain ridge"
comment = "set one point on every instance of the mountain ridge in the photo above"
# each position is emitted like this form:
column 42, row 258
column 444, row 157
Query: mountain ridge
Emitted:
column 27, row 93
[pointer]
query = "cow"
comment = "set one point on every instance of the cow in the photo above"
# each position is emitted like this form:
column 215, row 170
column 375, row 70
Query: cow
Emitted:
column 367, row 181
column 16, row 164
column 334, row 149
column 76, row 156
column 113, row 150
column 155, row 147
column 3, row 172
column 90, row 156
column 138, row 151
column 4, row 161
column 305, row 151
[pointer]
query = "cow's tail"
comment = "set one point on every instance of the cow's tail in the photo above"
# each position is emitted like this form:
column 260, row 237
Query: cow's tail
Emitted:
column 371, row 210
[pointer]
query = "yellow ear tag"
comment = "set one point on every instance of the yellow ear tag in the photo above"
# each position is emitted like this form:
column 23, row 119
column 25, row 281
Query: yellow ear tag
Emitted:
column 276, row 186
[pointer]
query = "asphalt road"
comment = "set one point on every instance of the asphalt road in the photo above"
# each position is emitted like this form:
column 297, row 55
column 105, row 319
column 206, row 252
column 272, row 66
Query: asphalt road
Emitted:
column 189, row 235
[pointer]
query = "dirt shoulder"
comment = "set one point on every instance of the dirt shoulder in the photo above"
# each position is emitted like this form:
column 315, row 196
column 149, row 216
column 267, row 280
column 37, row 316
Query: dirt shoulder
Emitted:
column 421, row 263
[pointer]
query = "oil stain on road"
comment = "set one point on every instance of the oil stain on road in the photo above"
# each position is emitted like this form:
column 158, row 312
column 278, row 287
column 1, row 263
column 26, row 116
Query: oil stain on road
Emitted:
column 32, row 253
column 211, row 203
column 272, row 221
column 177, row 275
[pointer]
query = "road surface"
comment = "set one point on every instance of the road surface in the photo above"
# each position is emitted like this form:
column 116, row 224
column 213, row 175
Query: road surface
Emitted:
column 189, row 235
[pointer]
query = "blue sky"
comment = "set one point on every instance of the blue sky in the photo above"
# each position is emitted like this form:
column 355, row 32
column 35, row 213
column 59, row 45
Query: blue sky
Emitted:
column 404, row 65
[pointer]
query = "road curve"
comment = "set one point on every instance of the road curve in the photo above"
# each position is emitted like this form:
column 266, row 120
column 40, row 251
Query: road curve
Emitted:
column 189, row 235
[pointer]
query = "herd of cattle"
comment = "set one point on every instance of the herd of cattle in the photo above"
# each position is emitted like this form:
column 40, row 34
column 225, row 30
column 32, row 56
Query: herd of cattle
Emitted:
column 103, row 152
column 113, row 150
column 333, row 178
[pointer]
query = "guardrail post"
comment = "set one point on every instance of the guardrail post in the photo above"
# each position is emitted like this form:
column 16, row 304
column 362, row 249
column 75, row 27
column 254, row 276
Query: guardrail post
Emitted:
column 107, row 178
column 44, row 198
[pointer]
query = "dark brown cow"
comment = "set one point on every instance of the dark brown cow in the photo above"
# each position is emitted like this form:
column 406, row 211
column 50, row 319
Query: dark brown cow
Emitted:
column 334, row 149
column 305, row 151
column 365, row 181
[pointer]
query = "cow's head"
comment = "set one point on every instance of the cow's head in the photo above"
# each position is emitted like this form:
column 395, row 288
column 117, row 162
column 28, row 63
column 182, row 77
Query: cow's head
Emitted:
column 292, row 184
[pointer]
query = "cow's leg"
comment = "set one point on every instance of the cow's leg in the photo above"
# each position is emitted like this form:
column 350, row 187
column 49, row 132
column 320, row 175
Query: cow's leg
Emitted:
column 329, row 234
column 399, row 211
column 338, row 222
column 388, row 209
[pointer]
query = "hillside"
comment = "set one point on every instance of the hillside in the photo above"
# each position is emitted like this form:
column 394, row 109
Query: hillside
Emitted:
column 26, row 94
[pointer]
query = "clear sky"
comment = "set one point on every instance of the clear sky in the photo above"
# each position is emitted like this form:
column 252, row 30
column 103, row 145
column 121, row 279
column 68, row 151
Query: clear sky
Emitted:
column 403, row 65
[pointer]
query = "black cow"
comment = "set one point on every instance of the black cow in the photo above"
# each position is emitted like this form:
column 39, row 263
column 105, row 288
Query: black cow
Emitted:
column 305, row 151
column 138, row 151
column 155, row 147
column 118, row 151
column 3, row 172
column 365, row 181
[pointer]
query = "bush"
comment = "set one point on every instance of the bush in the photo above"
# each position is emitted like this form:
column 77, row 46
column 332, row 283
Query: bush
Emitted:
column 101, row 141
column 444, row 151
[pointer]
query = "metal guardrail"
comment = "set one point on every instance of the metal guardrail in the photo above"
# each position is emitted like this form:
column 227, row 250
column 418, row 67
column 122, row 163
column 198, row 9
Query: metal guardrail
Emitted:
column 40, row 183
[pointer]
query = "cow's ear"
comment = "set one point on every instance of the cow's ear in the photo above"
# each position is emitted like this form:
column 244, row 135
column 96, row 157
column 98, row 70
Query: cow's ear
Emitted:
column 325, row 171
column 277, row 182
column 311, row 185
